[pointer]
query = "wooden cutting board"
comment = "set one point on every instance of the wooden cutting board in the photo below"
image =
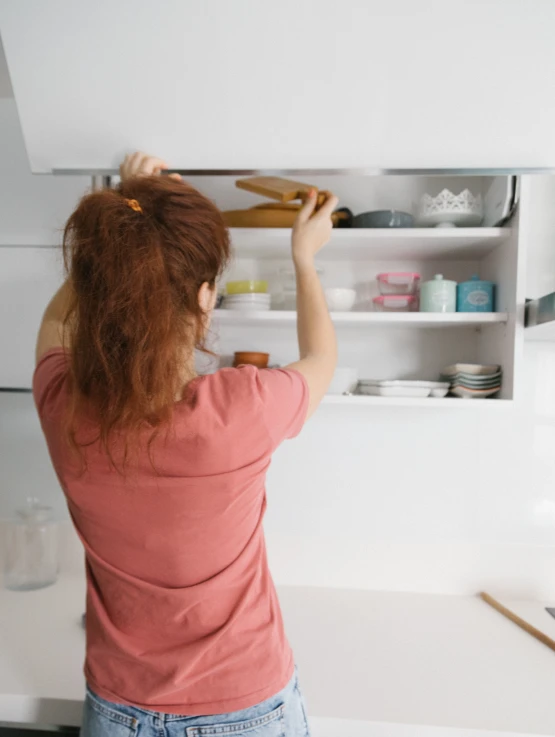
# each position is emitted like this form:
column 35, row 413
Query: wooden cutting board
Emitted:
column 277, row 188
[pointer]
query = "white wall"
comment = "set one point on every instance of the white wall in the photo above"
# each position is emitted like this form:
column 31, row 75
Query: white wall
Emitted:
column 5, row 83
column 398, row 498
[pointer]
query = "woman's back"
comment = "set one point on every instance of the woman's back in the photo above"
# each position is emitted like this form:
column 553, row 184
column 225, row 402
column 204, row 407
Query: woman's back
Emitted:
column 164, row 471
column 181, row 605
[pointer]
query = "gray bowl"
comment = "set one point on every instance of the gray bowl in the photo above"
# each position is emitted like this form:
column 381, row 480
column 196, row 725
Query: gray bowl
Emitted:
column 383, row 219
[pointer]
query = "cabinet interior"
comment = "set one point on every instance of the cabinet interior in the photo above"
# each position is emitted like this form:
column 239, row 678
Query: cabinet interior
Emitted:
column 416, row 346
column 354, row 257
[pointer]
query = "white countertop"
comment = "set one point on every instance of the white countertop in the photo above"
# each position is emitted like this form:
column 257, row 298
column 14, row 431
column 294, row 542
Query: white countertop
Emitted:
column 371, row 663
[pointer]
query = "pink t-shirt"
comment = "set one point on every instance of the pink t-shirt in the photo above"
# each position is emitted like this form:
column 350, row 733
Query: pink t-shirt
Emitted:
column 182, row 613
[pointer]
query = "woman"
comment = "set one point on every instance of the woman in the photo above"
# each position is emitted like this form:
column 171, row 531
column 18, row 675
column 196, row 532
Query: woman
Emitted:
column 164, row 471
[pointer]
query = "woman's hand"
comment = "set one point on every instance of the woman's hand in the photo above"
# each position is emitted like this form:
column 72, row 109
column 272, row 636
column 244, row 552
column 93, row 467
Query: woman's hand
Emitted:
column 143, row 165
column 312, row 231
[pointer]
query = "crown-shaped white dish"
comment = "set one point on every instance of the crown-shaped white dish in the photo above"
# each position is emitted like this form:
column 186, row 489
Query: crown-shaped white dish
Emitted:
column 448, row 210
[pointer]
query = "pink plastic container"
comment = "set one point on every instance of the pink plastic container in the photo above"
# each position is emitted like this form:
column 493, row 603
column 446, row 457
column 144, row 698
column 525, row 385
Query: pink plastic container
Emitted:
column 398, row 282
column 395, row 303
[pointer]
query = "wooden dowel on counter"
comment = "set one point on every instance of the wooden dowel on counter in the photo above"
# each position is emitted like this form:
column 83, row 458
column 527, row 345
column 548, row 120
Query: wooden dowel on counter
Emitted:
column 518, row 620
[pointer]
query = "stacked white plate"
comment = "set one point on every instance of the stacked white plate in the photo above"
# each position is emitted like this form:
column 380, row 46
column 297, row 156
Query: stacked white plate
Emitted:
column 473, row 380
column 251, row 302
column 373, row 388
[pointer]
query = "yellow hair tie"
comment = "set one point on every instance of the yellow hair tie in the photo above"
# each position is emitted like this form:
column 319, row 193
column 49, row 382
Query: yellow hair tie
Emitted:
column 134, row 205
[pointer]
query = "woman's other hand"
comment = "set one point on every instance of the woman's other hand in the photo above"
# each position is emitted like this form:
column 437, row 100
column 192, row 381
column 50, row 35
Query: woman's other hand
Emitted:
column 311, row 230
column 140, row 164
column 317, row 343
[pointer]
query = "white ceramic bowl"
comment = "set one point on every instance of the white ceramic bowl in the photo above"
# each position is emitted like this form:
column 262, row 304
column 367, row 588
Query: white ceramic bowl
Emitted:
column 340, row 300
column 476, row 369
column 344, row 380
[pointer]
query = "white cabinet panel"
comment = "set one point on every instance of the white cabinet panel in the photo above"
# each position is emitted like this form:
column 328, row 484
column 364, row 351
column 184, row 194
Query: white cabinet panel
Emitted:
column 28, row 279
column 33, row 209
column 258, row 84
column 540, row 272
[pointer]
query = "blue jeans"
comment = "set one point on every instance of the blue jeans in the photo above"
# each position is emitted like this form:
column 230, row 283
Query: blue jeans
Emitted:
column 283, row 715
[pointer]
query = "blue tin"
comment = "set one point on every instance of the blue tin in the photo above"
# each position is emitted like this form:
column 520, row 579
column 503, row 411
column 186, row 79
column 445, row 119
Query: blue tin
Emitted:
column 476, row 296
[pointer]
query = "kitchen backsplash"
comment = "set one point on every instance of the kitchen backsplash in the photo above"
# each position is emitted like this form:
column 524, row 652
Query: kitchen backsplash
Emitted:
column 365, row 491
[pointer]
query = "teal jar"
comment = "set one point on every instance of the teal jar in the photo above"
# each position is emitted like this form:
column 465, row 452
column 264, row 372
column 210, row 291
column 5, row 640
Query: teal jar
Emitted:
column 438, row 295
column 476, row 295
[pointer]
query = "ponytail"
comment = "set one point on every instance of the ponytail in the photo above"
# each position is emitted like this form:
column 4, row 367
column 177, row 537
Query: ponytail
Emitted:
column 136, row 257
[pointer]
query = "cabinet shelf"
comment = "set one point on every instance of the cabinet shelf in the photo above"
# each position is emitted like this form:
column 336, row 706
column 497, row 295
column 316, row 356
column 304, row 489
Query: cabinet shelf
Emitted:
column 391, row 244
column 378, row 319
column 430, row 402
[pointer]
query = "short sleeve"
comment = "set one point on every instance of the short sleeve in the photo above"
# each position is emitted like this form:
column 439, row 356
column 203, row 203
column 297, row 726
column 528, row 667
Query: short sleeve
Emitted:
column 284, row 395
column 49, row 381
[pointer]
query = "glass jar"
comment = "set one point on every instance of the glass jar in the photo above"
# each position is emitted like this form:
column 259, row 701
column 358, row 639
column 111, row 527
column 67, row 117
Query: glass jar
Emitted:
column 438, row 295
column 31, row 548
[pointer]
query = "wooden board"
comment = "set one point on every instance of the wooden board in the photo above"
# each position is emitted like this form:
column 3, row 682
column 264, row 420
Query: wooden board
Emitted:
column 278, row 188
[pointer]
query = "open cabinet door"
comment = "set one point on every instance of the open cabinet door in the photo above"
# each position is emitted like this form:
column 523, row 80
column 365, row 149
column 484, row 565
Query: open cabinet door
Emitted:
column 254, row 84
column 540, row 287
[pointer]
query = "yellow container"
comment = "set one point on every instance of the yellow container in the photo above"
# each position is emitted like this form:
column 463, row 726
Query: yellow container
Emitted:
column 247, row 287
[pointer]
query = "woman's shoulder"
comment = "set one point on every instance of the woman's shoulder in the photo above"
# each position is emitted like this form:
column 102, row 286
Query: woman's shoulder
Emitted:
column 275, row 398
column 231, row 384
column 250, row 380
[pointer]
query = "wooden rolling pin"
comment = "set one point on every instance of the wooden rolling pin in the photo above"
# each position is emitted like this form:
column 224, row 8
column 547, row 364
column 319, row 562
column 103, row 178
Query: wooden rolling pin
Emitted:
column 272, row 215
column 538, row 634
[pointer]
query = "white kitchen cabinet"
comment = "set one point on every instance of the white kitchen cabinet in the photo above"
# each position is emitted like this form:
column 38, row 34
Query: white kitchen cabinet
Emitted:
column 28, row 279
column 252, row 84
column 393, row 345
column 33, row 209
column 540, row 283
column 379, row 345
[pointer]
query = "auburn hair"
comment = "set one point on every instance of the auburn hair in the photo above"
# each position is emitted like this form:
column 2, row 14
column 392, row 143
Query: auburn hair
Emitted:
column 136, row 257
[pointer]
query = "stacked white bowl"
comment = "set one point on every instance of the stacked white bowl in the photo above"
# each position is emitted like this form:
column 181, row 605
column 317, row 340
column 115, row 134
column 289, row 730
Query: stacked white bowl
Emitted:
column 340, row 300
column 473, row 380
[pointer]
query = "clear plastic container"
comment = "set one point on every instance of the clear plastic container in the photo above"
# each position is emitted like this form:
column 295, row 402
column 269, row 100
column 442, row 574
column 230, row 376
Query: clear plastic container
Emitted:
column 395, row 303
column 285, row 291
column 31, row 548
column 400, row 282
